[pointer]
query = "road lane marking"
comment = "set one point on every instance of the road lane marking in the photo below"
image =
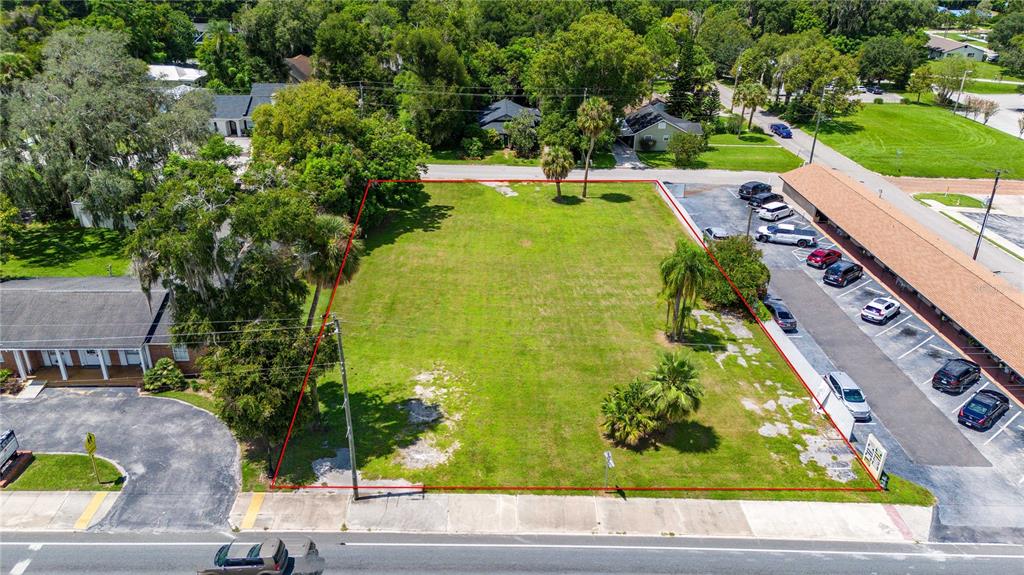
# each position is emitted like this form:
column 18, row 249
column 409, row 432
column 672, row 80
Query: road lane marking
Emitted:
column 254, row 508
column 971, row 397
column 894, row 325
column 1003, row 428
column 90, row 510
column 855, row 288
column 915, row 348
column 20, row 566
column 35, row 547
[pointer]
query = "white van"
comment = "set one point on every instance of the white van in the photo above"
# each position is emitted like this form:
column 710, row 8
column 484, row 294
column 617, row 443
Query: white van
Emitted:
column 774, row 211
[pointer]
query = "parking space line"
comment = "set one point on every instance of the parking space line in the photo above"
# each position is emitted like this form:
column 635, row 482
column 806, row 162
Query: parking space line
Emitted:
column 894, row 325
column 943, row 350
column 1003, row 428
column 855, row 288
column 913, row 349
column 90, row 510
column 873, row 290
column 969, row 398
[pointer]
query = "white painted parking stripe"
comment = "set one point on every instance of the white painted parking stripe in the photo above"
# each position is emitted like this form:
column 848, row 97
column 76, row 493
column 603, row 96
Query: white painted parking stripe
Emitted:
column 1003, row 428
column 913, row 349
column 873, row 290
column 20, row 567
column 853, row 289
column 1021, row 480
column 942, row 349
column 893, row 326
column 969, row 398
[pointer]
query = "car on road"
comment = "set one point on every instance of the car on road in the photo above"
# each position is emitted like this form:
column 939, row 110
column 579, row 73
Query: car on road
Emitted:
column 842, row 273
column 780, row 313
column 956, row 375
column 876, row 89
column 781, row 130
column 786, row 234
column 267, row 558
column 847, row 391
column 714, row 233
column 752, row 188
column 861, row 89
column 983, row 410
column 880, row 310
column 758, row 200
column 774, row 211
column 821, row 258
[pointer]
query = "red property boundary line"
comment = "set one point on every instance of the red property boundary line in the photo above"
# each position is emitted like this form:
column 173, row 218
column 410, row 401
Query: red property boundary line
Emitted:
column 668, row 198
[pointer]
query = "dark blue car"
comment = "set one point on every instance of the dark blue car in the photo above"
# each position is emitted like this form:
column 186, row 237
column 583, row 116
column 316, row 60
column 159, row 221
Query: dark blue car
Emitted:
column 984, row 409
column 781, row 130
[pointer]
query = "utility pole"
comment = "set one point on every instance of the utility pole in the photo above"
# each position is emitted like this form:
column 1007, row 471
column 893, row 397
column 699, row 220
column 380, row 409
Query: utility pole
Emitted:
column 750, row 216
column 735, row 84
column 984, row 220
column 817, row 124
column 960, row 93
column 348, row 409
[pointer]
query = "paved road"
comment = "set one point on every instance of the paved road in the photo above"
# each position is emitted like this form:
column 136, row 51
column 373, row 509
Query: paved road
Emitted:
column 1005, row 265
column 1011, row 106
column 182, row 463
column 489, row 172
column 90, row 554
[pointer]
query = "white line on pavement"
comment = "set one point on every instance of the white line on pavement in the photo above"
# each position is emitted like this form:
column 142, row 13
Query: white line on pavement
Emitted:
column 942, row 349
column 969, row 398
column 913, row 349
column 873, row 290
column 20, row 566
column 1003, row 428
column 35, row 547
column 853, row 289
column 894, row 325
column 1021, row 480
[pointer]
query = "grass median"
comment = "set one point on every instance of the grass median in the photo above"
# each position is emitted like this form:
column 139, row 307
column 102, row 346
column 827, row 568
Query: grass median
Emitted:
column 67, row 472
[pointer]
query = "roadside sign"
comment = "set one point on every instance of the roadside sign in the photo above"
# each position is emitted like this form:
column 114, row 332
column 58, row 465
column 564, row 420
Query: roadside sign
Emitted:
column 874, row 456
column 8, row 445
column 608, row 461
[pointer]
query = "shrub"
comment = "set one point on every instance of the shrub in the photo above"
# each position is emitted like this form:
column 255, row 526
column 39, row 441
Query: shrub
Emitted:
column 685, row 147
column 757, row 130
column 522, row 135
column 472, row 148
column 904, row 100
column 627, row 412
column 5, row 374
column 741, row 260
column 491, row 139
column 164, row 376
column 879, row 101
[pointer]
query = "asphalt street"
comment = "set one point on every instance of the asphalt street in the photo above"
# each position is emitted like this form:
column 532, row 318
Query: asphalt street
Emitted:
column 182, row 462
column 95, row 554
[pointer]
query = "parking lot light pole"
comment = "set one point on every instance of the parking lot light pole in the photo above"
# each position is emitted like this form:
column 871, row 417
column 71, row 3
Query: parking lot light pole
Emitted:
column 984, row 220
column 817, row 123
column 348, row 409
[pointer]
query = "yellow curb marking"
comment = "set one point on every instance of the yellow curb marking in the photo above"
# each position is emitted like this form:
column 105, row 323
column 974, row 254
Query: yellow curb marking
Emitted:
column 254, row 508
column 91, row 509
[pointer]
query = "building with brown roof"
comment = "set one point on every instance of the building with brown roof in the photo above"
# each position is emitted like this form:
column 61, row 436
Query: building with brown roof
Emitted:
column 975, row 302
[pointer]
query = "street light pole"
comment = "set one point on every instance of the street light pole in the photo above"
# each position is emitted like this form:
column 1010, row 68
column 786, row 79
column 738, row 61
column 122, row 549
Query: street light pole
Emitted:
column 960, row 93
column 750, row 216
column 817, row 124
column 984, row 220
column 348, row 409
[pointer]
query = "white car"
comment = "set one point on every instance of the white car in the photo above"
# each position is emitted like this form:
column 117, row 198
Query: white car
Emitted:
column 774, row 211
column 880, row 310
column 850, row 394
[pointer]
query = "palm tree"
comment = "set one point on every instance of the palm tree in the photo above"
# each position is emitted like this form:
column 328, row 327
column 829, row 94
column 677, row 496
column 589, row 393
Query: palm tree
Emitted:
column 756, row 95
column 627, row 414
column 322, row 252
column 594, row 117
column 556, row 162
column 743, row 95
column 683, row 274
column 673, row 388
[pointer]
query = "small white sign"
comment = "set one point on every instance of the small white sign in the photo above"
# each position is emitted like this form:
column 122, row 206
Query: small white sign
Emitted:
column 608, row 462
column 874, row 455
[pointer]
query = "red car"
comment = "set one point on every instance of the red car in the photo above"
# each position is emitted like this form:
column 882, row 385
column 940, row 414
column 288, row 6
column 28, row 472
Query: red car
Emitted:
column 822, row 258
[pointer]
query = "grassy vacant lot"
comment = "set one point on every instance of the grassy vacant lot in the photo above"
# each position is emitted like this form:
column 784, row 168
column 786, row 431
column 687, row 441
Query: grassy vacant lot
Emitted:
column 516, row 316
column 954, row 200
column 922, row 140
column 731, row 152
column 67, row 472
column 65, row 249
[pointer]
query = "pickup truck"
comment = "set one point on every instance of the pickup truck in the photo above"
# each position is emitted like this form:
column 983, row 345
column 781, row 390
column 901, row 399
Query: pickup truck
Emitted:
column 786, row 234
column 271, row 557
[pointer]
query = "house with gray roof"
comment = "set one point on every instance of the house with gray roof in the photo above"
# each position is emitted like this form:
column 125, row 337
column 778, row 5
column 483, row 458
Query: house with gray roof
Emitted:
column 941, row 47
column 232, row 113
column 494, row 116
column 649, row 128
column 85, row 330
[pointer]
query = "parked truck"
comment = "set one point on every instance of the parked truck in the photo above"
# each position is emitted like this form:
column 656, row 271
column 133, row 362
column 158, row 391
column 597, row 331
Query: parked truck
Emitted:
column 786, row 234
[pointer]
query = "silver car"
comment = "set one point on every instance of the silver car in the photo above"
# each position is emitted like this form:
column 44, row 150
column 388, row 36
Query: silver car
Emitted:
column 850, row 394
column 880, row 310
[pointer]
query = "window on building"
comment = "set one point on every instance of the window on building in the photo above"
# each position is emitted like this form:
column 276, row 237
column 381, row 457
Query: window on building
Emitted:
column 180, row 353
column 664, row 138
column 661, row 125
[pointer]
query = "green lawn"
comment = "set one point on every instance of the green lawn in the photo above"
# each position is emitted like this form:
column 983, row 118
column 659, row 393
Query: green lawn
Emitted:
column 517, row 315
column 954, row 200
column 65, row 249
column 732, row 152
column 67, row 472
column 199, row 400
column 922, row 140
column 991, row 88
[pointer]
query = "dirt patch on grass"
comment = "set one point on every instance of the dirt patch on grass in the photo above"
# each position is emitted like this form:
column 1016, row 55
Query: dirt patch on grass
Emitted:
column 502, row 188
column 432, row 416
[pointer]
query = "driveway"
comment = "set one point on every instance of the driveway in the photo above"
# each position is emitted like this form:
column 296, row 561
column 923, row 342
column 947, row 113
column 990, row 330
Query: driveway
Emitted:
column 182, row 462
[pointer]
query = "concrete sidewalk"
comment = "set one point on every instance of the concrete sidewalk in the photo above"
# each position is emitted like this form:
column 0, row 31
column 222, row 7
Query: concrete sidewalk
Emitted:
column 53, row 510
column 579, row 515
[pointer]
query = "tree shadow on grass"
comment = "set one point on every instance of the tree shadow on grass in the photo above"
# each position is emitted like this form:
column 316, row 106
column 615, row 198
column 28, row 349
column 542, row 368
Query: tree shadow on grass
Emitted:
column 616, row 198
column 753, row 138
column 381, row 425
column 842, row 127
column 421, row 217
column 691, row 437
column 567, row 200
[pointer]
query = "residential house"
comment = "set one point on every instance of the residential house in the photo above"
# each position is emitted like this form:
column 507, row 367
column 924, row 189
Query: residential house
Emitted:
column 650, row 127
column 85, row 330
column 232, row 115
column 494, row 116
column 300, row 68
column 175, row 74
column 940, row 47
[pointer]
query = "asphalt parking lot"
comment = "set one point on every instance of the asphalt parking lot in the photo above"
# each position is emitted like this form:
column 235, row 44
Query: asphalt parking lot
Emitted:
column 182, row 462
column 893, row 363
